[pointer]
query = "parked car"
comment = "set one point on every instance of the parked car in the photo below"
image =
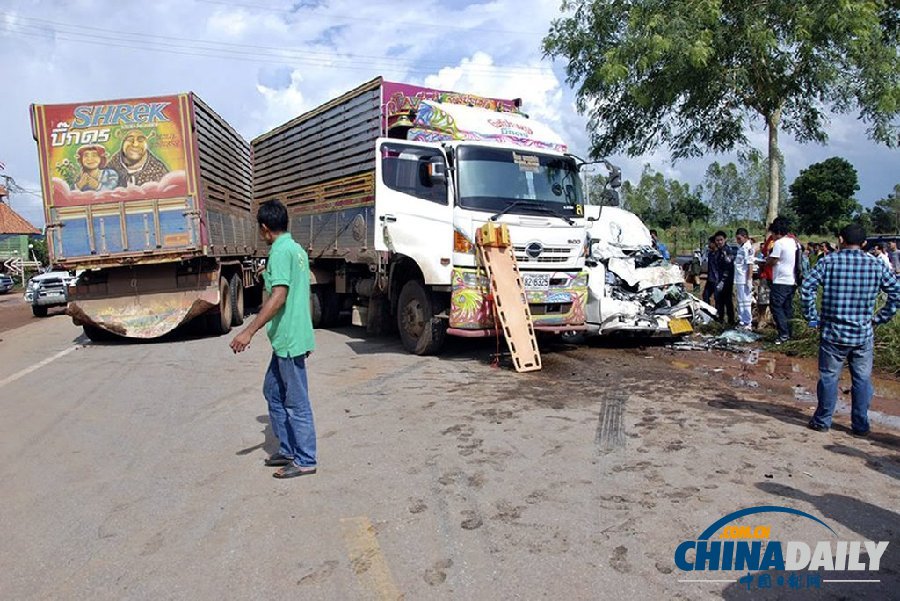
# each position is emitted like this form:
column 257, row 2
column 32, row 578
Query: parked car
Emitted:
column 6, row 283
column 48, row 290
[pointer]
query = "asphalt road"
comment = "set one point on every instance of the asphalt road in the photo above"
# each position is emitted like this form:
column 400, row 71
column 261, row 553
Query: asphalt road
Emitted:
column 134, row 471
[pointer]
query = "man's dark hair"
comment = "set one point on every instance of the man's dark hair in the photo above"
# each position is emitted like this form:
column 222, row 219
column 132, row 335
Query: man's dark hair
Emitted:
column 273, row 215
column 780, row 222
column 653, row 233
column 853, row 234
column 878, row 246
column 742, row 231
column 779, row 227
column 720, row 233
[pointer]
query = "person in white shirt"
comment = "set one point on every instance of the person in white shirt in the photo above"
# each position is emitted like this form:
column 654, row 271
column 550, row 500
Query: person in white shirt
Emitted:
column 743, row 278
column 783, row 258
column 878, row 251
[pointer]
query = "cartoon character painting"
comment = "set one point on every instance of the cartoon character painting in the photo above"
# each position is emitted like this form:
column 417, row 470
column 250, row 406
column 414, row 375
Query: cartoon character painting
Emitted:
column 134, row 163
column 95, row 175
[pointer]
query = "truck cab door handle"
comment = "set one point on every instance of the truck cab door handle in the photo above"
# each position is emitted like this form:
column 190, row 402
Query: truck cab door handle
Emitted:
column 388, row 218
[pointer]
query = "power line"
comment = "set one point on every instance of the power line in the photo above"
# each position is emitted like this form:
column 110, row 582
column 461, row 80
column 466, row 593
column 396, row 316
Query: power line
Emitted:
column 419, row 24
column 211, row 49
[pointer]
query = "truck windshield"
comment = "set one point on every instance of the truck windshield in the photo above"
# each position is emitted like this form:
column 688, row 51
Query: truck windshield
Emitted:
column 491, row 179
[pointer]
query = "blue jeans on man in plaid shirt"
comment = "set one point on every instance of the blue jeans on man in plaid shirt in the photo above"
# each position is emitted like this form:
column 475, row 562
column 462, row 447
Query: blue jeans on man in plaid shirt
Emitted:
column 831, row 362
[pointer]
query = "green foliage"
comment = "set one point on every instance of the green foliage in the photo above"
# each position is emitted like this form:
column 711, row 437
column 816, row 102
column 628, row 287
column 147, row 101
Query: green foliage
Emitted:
column 692, row 74
column 662, row 202
column 885, row 215
column 739, row 192
column 822, row 196
column 40, row 249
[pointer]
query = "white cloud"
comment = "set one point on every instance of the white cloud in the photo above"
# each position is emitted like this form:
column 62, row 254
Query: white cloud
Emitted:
column 266, row 66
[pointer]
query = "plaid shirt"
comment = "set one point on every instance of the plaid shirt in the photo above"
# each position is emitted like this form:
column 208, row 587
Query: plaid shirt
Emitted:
column 851, row 280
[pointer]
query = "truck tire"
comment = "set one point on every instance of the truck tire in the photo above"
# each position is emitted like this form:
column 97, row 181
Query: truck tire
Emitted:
column 324, row 306
column 218, row 321
column 420, row 331
column 237, row 299
column 39, row 311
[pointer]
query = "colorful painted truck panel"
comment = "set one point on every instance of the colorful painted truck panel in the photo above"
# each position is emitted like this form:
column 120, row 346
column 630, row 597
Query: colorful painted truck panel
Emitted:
column 150, row 199
column 143, row 178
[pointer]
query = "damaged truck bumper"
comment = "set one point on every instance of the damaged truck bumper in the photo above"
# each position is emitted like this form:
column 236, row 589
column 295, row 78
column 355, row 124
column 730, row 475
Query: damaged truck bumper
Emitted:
column 149, row 306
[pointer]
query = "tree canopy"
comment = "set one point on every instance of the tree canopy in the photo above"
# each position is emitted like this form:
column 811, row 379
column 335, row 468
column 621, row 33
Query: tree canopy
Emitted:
column 885, row 215
column 693, row 75
column 739, row 191
column 822, row 196
column 663, row 202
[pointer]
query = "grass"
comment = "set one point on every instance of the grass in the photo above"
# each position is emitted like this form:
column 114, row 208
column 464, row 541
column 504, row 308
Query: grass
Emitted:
column 805, row 342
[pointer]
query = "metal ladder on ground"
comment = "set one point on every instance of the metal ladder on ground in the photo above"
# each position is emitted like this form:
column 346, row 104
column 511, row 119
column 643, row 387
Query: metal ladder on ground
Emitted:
column 510, row 303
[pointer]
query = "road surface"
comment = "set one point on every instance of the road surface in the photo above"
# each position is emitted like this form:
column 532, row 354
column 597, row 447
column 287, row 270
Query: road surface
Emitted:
column 134, row 471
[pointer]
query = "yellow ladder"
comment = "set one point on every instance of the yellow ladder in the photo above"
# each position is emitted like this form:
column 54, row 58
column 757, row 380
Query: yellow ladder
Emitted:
column 510, row 302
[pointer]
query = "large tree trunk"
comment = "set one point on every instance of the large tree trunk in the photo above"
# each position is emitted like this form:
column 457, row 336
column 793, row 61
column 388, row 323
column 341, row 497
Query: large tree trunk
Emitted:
column 772, row 123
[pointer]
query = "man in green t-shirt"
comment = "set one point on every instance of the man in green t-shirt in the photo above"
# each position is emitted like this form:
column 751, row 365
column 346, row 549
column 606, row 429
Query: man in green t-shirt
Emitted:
column 289, row 326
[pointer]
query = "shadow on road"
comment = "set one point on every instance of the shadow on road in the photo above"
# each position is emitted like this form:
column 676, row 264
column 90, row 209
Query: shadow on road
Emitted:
column 870, row 522
column 269, row 443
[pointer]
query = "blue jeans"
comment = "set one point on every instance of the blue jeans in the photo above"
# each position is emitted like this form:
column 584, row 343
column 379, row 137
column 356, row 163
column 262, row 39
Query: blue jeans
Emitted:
column 290, row 413
column 831, row 362
column 781, row 303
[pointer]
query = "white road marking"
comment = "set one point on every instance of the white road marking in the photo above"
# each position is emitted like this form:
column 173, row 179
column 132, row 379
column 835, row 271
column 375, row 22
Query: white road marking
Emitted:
column 36, row 366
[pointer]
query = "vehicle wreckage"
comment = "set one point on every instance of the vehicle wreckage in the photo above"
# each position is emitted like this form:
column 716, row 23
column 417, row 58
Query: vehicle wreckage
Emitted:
column 631, row 289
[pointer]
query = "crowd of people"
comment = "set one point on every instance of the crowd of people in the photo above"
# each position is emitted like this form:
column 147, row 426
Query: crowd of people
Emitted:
column 850, row 275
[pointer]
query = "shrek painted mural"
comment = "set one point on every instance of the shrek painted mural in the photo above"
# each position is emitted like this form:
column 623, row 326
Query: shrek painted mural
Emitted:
column 114, row 151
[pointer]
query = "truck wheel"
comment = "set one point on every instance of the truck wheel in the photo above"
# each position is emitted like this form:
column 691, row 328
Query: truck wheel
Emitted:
column 237, row 299
column 420, row 331
column 219, row 321
column 324, row 307
column 39, row 311
column 578, row 337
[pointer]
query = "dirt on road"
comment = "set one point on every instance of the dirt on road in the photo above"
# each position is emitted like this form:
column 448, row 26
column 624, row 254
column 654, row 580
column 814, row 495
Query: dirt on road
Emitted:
column 135, row 471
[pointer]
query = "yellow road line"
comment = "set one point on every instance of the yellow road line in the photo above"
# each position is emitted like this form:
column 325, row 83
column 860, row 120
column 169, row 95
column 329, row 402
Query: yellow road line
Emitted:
column 366, row 559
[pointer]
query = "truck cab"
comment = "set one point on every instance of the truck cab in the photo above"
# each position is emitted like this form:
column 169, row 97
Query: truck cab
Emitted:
column 430, row 201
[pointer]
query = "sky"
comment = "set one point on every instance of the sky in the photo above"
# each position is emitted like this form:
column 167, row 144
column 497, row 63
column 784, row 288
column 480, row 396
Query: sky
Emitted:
column 259, row 63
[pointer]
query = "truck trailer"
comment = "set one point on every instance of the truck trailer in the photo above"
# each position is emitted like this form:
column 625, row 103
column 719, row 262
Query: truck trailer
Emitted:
column 150, row 199
column 386, row 186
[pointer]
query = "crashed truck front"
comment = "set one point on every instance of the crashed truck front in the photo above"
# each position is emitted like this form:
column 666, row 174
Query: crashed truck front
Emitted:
column 631, row 289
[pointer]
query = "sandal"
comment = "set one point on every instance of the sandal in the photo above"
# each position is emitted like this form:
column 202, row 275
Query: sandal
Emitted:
column 292, row 471
column 278, row 460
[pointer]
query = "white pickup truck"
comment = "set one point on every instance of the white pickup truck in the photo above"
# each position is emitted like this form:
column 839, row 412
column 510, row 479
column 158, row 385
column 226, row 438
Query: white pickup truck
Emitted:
column 50, row 289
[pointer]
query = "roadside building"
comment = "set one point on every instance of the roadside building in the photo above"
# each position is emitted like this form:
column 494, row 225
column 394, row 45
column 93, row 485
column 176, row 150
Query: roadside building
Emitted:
column 14, row 233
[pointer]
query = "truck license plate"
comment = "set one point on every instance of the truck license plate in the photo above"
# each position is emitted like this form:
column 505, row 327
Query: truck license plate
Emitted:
column 536, row 281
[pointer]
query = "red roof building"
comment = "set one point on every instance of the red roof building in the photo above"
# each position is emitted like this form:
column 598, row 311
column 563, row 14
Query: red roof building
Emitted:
column 13, row 223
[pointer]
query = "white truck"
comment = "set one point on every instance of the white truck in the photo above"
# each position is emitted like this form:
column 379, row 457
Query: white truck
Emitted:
column 386, row 186
column 631, row 290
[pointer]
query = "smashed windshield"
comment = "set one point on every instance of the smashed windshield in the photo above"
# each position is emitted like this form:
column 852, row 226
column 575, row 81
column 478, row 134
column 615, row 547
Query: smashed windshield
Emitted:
column 491, row 179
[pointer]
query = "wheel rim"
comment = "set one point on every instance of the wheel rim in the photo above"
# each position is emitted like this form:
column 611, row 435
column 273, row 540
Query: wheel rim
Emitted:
column 414, row 319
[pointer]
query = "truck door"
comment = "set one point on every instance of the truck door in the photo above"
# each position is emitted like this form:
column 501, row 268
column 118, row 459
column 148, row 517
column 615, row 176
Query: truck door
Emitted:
column 412, row 206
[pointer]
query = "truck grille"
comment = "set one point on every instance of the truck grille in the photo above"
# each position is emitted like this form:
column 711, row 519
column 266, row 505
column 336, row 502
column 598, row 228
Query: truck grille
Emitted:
column 550, row 254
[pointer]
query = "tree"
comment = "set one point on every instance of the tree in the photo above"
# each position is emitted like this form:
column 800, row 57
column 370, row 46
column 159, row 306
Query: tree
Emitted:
column 692, row 75
column 661, row 201
column 885, row 214
column 822, row 196
column 739, row 192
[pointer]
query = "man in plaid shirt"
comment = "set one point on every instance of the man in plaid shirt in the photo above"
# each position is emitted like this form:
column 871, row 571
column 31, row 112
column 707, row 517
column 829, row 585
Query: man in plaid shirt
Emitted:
column 850, row 280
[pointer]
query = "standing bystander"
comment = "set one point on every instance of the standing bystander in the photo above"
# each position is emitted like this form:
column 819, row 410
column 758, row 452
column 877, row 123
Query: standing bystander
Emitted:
column 894, row 256
column 658, row 245
column 721, row 273
column 288, row 323
column 743, row 278
column 850, row 281
column 878, row 252
column 784, row 260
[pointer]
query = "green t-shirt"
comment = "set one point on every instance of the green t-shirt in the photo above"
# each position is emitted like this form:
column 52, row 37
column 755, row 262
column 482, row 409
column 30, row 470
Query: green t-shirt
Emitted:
column 290, row 331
